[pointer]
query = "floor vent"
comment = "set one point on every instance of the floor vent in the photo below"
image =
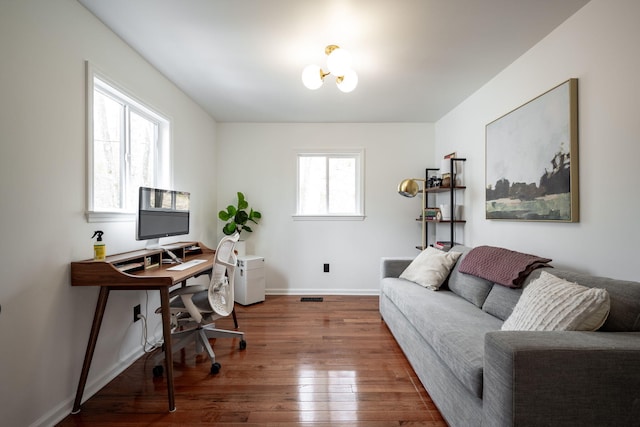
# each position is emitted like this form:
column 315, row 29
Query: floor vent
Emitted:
column 311, row 299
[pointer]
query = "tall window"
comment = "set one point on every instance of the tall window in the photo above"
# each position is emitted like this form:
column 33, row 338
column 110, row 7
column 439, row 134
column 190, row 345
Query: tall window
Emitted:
column 330, row 184
column 128, row 148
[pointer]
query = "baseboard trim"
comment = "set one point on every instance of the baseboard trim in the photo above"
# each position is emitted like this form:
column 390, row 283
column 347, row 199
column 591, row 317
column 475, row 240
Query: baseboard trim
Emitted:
column 346, row 292
column 62, row 410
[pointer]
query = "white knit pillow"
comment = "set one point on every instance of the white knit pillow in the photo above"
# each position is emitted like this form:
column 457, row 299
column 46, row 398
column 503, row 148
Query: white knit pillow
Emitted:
column 430, row 268
column 553, row 304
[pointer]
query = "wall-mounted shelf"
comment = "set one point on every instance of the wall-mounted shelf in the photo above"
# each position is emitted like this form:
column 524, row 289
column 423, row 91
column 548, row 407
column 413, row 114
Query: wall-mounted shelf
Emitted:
column 451, row 191
column 443, row 221
column 443, row 189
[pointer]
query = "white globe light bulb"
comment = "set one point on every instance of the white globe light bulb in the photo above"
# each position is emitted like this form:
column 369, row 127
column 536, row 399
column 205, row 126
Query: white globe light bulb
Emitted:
column 338, row 62
column 349, row 81
column 312, row 77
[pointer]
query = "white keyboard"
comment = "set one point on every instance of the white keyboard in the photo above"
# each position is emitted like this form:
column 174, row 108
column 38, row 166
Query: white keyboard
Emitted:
column 187, row 264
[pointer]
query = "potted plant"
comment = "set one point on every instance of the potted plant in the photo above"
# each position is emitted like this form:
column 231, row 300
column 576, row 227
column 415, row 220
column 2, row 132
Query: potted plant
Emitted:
column 237, row 217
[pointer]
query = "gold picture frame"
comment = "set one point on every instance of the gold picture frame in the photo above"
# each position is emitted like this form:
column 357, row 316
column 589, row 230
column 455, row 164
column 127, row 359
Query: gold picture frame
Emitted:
column 532, row 159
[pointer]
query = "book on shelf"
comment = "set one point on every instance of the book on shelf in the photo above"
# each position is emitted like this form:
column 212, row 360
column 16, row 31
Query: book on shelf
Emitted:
column 431, row 213
column 444, row 245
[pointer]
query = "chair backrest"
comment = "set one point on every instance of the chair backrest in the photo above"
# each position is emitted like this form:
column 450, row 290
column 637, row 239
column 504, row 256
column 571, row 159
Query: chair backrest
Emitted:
column 225, row 257
column 221, row 288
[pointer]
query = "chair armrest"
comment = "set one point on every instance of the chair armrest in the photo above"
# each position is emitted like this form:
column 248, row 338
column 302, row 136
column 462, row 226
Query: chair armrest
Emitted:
column 561, row 378
column 186, row 290
column 393, row 267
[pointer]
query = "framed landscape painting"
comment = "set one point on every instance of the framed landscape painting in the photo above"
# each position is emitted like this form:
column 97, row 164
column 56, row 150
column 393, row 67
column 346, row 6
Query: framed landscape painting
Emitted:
column 532, row 159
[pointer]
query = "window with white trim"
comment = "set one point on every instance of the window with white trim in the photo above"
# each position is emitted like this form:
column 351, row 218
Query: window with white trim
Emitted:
column 330, row 184
column 128, row 147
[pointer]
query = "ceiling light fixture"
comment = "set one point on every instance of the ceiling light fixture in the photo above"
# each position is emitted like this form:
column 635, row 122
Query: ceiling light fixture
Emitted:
column 338, row 64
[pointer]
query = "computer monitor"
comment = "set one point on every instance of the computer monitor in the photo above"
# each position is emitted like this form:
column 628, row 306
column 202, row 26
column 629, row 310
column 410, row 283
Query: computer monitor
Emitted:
column 162, row 213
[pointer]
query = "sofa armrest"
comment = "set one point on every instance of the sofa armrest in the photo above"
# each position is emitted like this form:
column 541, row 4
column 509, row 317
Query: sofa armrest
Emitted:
column 393, row 267
column 561, row 378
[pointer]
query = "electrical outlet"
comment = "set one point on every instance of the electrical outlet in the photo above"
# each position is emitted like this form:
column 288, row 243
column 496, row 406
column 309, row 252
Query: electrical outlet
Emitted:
column 326, row 268
column 136, row 311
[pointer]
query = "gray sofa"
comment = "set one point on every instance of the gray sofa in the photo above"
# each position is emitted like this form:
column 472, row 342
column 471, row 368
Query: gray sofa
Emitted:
column 478, row 375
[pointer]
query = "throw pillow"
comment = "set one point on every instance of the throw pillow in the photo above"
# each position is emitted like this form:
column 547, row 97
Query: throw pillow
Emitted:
column 549, row 303
column 430, row 268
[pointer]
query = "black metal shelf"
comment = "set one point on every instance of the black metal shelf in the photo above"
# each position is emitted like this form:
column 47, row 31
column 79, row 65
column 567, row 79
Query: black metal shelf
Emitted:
column 443, row 189
column 451, row 190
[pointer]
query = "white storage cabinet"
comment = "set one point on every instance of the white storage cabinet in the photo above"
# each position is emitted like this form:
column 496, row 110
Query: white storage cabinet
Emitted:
column 250, row 280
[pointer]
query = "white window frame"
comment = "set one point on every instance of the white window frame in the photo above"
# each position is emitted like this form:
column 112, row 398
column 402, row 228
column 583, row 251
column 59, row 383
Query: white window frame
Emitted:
column 359, row 155
column 163, row 178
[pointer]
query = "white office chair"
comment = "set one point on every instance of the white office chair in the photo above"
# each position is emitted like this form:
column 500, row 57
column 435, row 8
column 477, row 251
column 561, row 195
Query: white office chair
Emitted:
column 195, row 308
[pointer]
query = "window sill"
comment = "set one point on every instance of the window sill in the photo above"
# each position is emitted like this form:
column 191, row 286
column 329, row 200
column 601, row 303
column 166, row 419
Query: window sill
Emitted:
column 110, row 216
column 328, row 217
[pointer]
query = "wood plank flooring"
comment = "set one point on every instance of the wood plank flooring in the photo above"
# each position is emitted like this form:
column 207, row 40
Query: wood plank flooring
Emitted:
column 330, row 363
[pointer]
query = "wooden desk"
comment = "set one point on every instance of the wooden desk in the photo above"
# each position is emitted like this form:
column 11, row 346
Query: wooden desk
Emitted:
column 137, row 270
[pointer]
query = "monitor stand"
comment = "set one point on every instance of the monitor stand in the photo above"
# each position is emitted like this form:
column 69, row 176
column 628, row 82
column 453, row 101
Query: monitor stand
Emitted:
column 152, row 244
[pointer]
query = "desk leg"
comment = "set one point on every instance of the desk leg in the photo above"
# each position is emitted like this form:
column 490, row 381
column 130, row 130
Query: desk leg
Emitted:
column 168, row 354
column 91, row 346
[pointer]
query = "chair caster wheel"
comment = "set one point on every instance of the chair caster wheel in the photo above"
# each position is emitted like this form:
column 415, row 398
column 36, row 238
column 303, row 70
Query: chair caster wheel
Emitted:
column 158, row 371
column 243, row 345
column 215, row 368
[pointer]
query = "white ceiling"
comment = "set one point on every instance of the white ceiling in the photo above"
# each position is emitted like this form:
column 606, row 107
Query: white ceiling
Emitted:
column 241, row 60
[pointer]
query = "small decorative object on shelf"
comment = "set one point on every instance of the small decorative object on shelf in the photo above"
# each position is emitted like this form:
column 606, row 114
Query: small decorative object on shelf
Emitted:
column 447, row 170
column 434, row 181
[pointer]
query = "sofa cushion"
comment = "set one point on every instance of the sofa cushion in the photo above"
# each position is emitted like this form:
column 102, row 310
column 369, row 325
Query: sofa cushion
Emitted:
column 501, row 301
column 472, row 288
column 553, row 304
column 452, row 326
column 430, row 268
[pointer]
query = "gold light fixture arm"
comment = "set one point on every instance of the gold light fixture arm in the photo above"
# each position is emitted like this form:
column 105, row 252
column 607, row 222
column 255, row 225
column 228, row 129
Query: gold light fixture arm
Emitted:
column 327, row 50
column 330, row 48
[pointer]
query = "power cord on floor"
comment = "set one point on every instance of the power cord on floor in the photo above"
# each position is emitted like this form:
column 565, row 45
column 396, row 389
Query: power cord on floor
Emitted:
column 148, row 347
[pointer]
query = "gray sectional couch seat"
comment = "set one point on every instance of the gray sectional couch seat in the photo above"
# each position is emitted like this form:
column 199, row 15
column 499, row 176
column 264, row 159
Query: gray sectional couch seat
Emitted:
column 478, row 375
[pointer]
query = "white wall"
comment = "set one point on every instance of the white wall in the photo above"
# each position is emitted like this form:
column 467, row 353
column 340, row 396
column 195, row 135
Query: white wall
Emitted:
column 599, row 46
column 259, row 160
column 44, row 322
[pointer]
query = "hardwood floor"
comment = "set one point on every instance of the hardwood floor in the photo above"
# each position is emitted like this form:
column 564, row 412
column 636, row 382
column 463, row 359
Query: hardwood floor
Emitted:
column 330, row 363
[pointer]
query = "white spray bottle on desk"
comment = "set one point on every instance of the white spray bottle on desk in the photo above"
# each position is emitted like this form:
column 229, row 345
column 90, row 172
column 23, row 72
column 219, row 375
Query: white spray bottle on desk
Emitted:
column 99, row 247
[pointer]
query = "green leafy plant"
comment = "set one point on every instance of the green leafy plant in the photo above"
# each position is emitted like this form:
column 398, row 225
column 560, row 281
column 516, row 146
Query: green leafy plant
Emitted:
column 238, row 217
